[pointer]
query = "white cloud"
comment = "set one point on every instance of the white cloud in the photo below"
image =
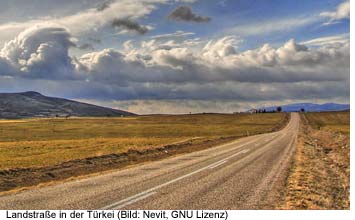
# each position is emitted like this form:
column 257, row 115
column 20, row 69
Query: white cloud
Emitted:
column 341, row 12
column 175, row 35
column 178, row 69
column 90, row 19
column 329, row 40
column 273, row 26
column 40, row 51
column 186, row 1
column 219, row 60
column 222, row 47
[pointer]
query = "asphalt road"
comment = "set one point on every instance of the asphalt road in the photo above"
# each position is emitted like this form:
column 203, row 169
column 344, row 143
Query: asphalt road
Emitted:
column 246, row 174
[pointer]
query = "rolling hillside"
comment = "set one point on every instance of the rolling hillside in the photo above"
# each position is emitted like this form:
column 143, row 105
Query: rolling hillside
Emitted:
column 34, row 104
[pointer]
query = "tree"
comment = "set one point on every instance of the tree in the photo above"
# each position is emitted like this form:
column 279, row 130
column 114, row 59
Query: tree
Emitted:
column 279, row 109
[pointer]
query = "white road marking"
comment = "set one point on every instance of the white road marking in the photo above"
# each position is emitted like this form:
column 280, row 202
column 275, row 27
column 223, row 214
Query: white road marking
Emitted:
column 147, row 193
column 219, row 164
column 151, row 191
column 129, row 200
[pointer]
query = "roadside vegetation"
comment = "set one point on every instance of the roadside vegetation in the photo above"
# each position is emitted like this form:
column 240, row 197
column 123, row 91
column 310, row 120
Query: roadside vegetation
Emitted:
column 336, row 122
column 320, row 176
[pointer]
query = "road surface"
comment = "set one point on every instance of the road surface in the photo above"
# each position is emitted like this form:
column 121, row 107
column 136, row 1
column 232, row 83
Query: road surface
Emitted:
column 246, row 174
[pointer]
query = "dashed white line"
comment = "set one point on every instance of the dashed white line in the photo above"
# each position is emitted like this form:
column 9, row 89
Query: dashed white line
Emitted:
column 149, row 192
column 129, row 200
column 219, row 164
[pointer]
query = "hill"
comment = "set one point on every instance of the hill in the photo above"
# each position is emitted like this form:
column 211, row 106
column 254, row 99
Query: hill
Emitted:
column 310, row 107
column 34, row 104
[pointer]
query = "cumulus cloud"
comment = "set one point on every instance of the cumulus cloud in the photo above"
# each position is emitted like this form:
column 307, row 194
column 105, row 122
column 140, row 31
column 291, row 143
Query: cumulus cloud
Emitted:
column 221, row 48
column 217, row 61
column 129, row 25
column 177, row 69
column 40, row 51
column 184, row 13
column 341, row 12
column 109, row 65
column 43, row 51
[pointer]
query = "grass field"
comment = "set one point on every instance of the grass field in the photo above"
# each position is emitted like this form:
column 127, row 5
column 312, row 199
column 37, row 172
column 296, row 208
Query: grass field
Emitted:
column 332, row 121
column 320, row 177
column 45, row 142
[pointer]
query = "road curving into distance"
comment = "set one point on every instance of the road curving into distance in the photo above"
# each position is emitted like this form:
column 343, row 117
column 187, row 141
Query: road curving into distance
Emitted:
column 249, row 173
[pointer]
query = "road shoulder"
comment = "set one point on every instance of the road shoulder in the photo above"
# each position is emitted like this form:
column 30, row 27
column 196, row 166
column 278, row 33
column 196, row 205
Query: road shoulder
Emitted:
column 320, row 174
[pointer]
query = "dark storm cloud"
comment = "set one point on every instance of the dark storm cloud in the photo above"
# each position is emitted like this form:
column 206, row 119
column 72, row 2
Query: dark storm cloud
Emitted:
column 129, row 25
column 184, row 13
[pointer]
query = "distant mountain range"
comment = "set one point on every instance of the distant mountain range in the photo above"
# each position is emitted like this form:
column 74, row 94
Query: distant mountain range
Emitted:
column 34, row 104
column 310, row 107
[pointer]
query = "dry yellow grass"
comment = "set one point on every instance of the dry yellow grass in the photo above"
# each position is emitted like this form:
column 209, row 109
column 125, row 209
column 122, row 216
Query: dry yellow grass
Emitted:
column 12, row 121
column 45, row 142
column 330, row 121
column 320, row 177
column 44, row 153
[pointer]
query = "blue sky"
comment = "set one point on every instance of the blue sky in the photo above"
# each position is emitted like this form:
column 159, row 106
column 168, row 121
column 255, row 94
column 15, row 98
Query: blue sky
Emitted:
column 177, row 56
column 230, row 14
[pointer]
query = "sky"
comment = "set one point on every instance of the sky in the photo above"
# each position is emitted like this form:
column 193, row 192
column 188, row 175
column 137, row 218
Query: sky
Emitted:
column 177, row 56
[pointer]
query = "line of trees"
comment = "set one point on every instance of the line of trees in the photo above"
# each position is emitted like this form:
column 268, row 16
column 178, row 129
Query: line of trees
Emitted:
column 278, row 109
